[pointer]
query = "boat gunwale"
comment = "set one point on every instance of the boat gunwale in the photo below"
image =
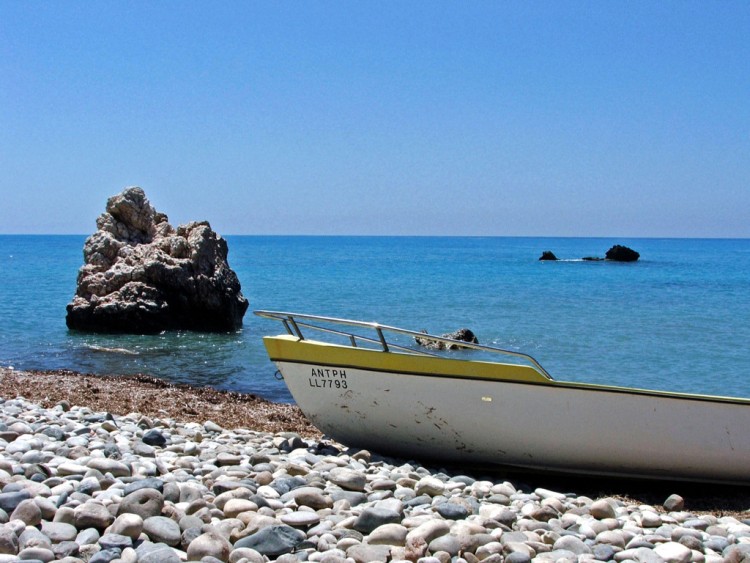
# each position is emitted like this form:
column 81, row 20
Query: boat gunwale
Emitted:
column 543, row 382
column 292, row 326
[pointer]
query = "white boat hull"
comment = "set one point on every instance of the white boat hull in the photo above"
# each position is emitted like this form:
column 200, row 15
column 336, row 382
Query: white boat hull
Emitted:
column 544, row 425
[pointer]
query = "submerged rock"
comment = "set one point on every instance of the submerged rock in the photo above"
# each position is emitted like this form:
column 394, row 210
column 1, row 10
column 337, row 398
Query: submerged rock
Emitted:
column 462, row 335
column 141, row 275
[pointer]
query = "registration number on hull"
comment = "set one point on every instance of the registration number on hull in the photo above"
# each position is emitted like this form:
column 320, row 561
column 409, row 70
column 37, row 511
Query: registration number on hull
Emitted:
column 327, row 378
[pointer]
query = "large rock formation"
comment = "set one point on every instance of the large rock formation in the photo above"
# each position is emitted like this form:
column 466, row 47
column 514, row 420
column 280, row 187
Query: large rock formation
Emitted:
column 141, row 275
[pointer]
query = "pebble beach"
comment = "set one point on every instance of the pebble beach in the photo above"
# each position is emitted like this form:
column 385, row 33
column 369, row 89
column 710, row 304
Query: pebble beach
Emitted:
column 160, row 474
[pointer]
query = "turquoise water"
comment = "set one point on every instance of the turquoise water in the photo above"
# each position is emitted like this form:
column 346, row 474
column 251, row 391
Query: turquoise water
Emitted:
column 678, row 319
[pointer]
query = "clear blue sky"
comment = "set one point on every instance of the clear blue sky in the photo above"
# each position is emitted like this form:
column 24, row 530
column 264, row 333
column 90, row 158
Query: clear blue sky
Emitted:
column 554, row 118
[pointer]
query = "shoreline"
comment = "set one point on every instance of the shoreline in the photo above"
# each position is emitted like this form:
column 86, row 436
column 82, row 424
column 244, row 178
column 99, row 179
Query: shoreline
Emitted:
column 148, row 396
column 124, row 394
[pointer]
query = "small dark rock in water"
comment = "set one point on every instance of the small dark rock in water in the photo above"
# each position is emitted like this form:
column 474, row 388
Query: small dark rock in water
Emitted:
column 548, row 255
column 619, row 253
column 592, row 259
column 462, row 335
column 141, row 275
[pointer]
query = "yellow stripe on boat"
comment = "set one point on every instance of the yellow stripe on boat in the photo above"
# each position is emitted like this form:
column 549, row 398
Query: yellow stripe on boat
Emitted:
column 291, row 349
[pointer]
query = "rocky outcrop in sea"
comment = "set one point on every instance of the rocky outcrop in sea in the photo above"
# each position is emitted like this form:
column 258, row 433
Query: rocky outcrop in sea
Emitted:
column 460, row 335
column 141, row 275
column 617, row 253
column 82, row 486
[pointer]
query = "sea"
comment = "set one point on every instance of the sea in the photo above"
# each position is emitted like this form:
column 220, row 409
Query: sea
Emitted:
column 678, row 319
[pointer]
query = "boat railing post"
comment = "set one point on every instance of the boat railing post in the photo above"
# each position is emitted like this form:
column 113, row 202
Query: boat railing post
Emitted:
column 296, row 328
column 382, row 338
column 286, row 326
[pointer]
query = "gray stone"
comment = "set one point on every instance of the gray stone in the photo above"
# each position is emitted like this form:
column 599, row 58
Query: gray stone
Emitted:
column 115, row 541
column 65, row 549
column 36, row 554
column 348, row 479
column 92, row 515
column 154, row 437
column 31, row 537
column 143, row 502
column 372, row 518
column 354, row 498
column 149, row 483
column 251, row 555
column 29, row 512
column 573, row 544
column 88, row 536
column 8, row 541
column 273, row 540
column 640, row 554
column 10, row 501
column 187, row 522
column 107, row 465
column 156, row 553
column 59, row 531
column 161, row 529
column 452, row 511
column 674, row 503
column 106, row 555
column 448, row 543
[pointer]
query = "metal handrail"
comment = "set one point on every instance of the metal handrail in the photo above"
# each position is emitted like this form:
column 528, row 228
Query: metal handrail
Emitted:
column 293, row 323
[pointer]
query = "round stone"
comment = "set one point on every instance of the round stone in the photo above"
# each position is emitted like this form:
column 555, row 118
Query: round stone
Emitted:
column 236, row 506
column 28, row 512
column 210, row 544
column 161, row 529
column 430, row 486
column 37, row 553
column 273, row 540
column 673, row 552
column 674, row 503
column 373, row 517
column 107, row 465
column 348, row 479
column 388, row 534
column 602, row 509
column 92, row 515
column 300, row 519
column 154, row 437
column 115, row 541
column 59, row 531
column 128, row 524
column 143, row 502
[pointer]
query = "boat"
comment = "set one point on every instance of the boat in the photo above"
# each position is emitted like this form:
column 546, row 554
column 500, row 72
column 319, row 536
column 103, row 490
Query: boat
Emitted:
column 372, row 386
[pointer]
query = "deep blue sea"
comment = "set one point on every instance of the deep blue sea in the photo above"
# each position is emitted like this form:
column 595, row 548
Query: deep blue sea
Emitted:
column 678, row 319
